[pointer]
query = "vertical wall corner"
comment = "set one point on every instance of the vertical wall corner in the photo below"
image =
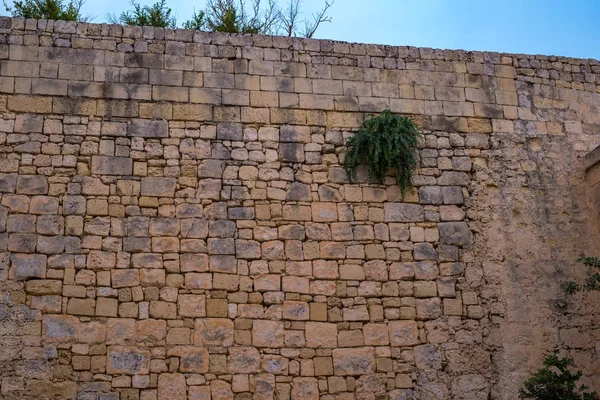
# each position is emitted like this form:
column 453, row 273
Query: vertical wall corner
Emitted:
column 592, row 171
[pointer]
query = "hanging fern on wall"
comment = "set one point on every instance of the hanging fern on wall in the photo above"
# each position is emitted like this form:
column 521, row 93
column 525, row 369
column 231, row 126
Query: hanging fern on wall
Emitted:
column 384, row 142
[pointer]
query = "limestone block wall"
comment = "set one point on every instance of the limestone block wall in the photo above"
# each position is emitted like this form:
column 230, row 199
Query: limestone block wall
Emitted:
column 175, row 222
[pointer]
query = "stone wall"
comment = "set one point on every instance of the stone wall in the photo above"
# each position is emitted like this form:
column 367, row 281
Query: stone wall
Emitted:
column 175, row 222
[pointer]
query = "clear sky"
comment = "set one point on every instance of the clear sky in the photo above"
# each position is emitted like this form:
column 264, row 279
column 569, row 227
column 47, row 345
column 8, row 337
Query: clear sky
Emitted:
column 551, row 27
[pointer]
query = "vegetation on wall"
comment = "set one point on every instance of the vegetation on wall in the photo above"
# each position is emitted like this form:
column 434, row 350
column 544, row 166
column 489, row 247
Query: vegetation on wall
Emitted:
column 158, row 15
column 47, row 9
column 556, row 381
column 386, row 141
column 231, row 16
column 592, row 282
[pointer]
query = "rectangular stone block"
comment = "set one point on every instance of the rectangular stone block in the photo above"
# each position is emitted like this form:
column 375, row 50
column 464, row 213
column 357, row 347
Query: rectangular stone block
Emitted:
column 148, row 128
column 192, row 112
column 26, row 266
column 86, row 307
column 33, row 104
column 402, row 212
column 29, row 69
column 354, row 361
column 292, row 152
column 127, row 360
column 168, row 78
column 71, row 56
column 8, row 183
column 106, row 165
column 158, row 187
column 86, row 89
column 28, row 123
column 52, row 87
column 170, row 93
column 455, row 233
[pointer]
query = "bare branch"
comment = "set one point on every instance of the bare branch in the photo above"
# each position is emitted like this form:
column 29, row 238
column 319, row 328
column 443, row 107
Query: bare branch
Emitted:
column 290, row 17
column 318, row 19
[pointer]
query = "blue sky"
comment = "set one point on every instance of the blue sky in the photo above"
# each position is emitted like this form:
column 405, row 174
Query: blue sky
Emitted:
column 551, row 27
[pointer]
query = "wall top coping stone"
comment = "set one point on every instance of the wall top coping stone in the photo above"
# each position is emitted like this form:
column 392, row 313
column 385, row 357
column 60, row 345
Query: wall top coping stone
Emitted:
column 9, row 25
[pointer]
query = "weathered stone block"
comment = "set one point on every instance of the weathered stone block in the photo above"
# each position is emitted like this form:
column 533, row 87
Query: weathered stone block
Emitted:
column 27, row 123
column 291, row 152
column 223, row 263
column 430, row 195
column 429, row 308
column 43, row 205
column 26, row 266
column 455, row 233
column 43, row 287
column 267, row 334
column 125, row 278
column 401, row 212
column 127, row 360
column 321, row 335
column 60, row 328
column 32, row 184
column 354, row 361
column 211, row 169
column 191, row 305
column 210, row 332
column 452, row 195
column 158, row 187
column 229, row 131
column 376, row 334
column 8, row 183
column 192, row 359
column 105, row 165
column 86, row 307
column 148, row 128
column 101, row 260
column 243, row 360
column 403, row 333
column 427, row 358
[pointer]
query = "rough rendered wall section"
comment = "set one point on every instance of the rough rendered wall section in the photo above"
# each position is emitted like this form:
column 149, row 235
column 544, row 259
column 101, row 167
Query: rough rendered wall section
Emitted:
column 175, row 222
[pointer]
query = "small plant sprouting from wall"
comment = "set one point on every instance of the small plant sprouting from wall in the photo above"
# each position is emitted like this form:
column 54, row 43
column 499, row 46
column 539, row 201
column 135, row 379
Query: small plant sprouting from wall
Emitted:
column 592, row 282
column 386, row 141
column 555, row 381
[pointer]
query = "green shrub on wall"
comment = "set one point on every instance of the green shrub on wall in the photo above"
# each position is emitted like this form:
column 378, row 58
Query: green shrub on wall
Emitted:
column 555, row 381
column 592, row 282
column 386, row 141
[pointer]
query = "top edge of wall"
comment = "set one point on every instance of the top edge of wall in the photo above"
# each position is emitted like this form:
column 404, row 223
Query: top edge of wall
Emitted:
column 85, row 29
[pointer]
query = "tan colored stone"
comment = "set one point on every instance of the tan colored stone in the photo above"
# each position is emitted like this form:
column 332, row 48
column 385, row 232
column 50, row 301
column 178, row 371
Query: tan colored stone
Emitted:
column 127, row 360
column 191, row 305
column 354, row 361
column 267, row 334
column 211, row 332
column 296, row 310
column 321, row 335
column 172, row 387
column 243, row 360
column 192, row 359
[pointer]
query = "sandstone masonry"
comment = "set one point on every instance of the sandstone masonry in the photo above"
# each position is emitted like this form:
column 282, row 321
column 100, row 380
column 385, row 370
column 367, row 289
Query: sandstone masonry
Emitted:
column 175, row 221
